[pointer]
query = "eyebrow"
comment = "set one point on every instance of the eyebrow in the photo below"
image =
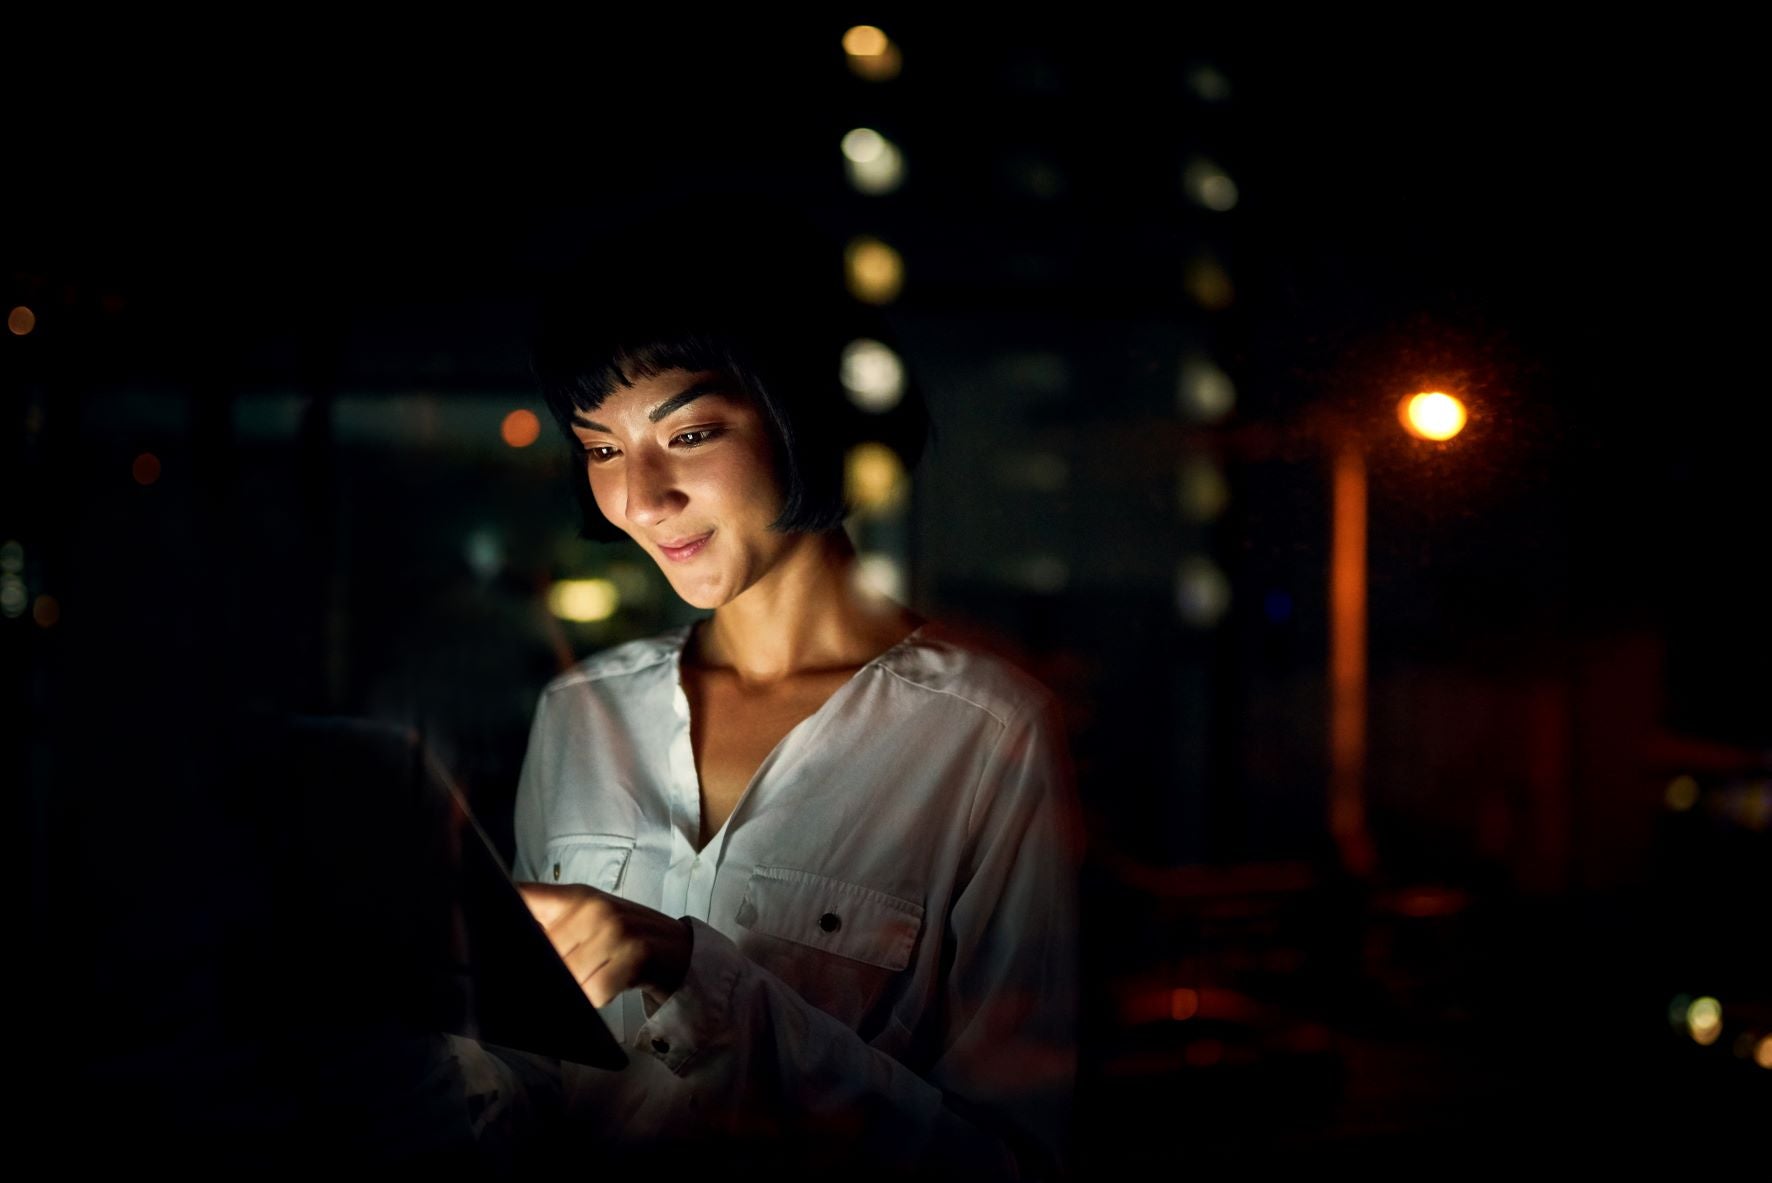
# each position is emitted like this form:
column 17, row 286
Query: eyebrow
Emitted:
column 675, row 403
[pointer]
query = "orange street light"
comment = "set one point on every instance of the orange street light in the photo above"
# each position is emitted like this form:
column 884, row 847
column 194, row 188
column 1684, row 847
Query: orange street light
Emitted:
column 1432, row 415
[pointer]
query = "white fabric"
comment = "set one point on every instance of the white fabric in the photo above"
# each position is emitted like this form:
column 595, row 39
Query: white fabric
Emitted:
column 884, row 929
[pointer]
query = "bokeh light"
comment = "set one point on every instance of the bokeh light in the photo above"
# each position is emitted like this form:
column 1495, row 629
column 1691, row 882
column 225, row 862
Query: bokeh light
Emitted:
column 1202, row 593
column 864, row 41
column 871, row 53
column 520, row 428
column 1763, row 1052
column 145, row 469
column 1432, row 415
column 484, row 553
column 881, row 574
column 874, row 270
column 873, row 477
column 1704, row 1019
column 583, row 600
column 1209, row 83
column 874, row 163
column 873, row 375
column 1209, row 185
column 1183, row 1003
column 1682, row 793
column 21, row 320
column 46, row 611
column 1203, row 392
column 13, row 596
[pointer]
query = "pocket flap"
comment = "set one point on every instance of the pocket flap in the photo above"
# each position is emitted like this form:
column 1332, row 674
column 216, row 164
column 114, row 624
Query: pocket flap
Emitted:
column 842, row 918
column 594, row 859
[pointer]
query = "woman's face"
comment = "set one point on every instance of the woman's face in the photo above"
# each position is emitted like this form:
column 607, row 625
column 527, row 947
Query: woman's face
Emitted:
column 684, row 463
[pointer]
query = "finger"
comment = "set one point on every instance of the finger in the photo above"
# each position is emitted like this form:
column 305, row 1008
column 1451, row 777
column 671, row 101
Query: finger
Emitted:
column 614, row 975
column 595, row 931
column 585, row 968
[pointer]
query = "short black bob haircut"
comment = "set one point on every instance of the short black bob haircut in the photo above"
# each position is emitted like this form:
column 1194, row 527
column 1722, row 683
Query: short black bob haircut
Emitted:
column 748, row 290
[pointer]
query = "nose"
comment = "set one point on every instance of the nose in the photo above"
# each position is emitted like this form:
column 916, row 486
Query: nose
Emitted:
column 652, row 493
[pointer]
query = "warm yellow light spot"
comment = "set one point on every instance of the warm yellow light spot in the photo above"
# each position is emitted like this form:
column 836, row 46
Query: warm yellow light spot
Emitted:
column 872, row 54
column 1763, row 1052
column 873, row 477
column 1682, row 793
column 1183, row 1004
column 1432, row 415
column 875, row 271
column 46, row 611
column 583, row 600
column 146, row 468
column 1704, row 1019
column 865, row 41
column 21, row 320
column 520, row 428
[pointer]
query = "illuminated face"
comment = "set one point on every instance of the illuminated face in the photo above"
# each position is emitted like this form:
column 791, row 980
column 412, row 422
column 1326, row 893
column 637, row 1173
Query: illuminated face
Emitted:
column 684, row 463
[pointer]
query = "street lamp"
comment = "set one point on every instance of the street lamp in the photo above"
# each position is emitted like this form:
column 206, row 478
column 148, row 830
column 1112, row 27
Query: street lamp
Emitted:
column 1430, row 415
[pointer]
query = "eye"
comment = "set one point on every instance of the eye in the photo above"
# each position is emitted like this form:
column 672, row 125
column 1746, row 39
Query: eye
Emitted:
column 600, row 453
column 697, row 437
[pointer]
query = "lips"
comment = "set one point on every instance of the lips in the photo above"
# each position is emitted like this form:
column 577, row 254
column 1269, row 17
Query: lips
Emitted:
column 687, row 548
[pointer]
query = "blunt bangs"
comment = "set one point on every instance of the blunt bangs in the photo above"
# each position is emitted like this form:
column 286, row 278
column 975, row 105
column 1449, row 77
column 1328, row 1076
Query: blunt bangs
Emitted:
column 737, row 294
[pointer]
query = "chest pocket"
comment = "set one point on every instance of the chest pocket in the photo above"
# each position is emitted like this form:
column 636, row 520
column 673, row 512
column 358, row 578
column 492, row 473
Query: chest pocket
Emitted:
column 599, row 860
column 856, row 923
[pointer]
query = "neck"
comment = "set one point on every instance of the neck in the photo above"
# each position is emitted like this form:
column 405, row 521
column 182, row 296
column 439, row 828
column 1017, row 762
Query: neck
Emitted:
column 811, row 613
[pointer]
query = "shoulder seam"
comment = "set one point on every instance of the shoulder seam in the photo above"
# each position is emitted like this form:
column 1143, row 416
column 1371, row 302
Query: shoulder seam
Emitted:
column 1001, row 721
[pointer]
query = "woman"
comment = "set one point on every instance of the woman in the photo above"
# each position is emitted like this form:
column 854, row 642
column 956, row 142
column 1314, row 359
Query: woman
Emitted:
column 811, row 856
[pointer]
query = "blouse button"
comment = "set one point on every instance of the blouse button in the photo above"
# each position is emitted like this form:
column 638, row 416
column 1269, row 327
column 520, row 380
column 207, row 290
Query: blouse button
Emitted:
column 556, row 872
column 661, row 1046
column 830, row 922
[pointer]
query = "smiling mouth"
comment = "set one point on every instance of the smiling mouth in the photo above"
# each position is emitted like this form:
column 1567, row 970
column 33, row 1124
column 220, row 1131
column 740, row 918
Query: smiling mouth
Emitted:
column 687, row 549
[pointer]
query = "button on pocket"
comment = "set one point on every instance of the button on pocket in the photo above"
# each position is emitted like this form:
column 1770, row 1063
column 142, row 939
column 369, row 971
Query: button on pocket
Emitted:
column 848, row 919
column 599, row 860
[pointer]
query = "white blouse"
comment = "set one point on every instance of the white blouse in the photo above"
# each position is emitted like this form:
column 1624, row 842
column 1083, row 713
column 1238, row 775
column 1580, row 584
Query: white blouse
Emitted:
column 884, row 929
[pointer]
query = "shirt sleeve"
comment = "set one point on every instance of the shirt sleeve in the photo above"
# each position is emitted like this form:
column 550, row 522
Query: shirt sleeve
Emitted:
column 996, row 1100
column 529, row 819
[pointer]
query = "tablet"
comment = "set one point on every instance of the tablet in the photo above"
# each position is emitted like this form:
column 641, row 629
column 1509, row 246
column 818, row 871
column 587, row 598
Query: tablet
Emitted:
column 520, row 993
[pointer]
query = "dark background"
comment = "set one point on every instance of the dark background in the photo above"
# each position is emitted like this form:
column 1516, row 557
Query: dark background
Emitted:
column 299, row 269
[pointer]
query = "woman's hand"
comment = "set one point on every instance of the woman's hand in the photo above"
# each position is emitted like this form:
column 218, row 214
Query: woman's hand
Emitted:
column 611, row 944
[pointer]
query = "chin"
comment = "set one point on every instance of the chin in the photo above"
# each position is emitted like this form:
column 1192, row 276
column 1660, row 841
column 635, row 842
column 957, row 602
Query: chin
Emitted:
column 702, row 597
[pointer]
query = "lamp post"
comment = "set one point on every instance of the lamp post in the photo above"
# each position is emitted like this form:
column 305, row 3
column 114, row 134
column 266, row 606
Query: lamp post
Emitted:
column 1430, row 415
